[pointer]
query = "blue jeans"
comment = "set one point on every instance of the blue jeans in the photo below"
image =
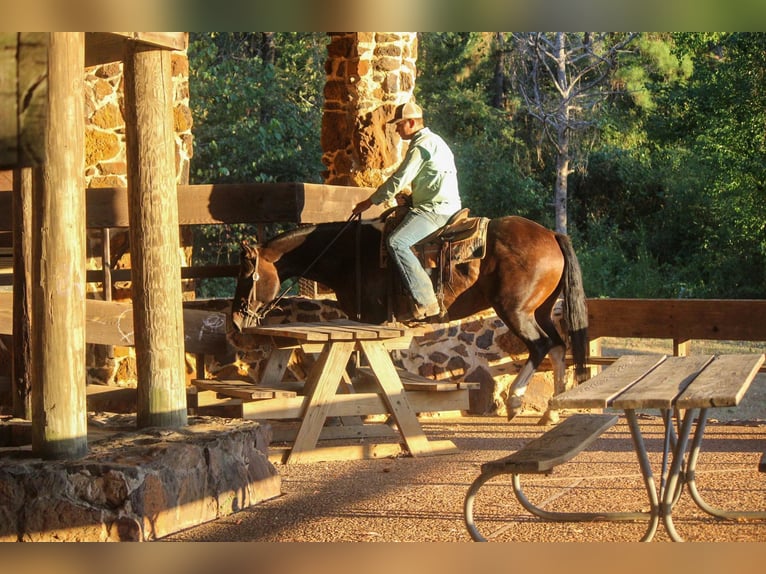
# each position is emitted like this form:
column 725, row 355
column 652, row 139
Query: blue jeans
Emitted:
column 414, row 227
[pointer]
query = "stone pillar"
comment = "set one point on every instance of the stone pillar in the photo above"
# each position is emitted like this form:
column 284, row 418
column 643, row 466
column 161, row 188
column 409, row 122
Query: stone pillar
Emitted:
column 368, row 75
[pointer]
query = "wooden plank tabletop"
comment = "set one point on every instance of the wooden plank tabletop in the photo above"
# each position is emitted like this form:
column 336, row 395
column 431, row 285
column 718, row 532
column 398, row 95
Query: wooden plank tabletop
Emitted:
column 340, row 330
column 657, row 381
column 660, row 387
column 609, row 383
column 723, row 383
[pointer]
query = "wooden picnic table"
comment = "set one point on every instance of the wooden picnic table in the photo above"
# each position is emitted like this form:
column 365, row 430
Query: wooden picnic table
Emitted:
column 335, row 341
column 680, row 387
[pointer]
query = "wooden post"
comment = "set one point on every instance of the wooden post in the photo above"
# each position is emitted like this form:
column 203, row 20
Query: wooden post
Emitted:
column 21, row 378
column 681, row 347
column 154, row 238
column 59, row 417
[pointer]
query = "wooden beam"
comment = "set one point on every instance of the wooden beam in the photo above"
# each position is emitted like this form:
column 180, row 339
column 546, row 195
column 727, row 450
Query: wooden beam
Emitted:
column 106, row 47
column 227, row 203
column 678, row 319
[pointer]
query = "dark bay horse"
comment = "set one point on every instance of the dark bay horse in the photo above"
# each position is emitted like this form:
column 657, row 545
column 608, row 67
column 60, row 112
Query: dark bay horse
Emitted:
column 525, row 269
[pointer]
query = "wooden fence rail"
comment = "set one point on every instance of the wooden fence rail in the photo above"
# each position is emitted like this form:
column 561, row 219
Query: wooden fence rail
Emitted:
column 680, row 320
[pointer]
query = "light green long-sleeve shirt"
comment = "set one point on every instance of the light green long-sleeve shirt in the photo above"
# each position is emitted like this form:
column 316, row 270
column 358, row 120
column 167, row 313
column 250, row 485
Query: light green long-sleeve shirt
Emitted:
column 429, row 169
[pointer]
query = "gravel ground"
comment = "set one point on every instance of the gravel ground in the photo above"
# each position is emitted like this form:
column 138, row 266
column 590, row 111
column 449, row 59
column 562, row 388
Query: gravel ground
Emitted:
column 420, row 499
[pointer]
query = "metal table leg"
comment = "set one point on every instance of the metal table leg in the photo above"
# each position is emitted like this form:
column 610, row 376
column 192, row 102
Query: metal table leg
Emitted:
column 646, row 472
column 692, row 483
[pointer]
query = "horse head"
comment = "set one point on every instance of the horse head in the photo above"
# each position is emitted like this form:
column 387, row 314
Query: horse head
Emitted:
column 257, row 285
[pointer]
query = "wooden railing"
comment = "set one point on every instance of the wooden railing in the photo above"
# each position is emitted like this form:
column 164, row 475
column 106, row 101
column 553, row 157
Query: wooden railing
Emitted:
column 679, row 320
column 208, row 205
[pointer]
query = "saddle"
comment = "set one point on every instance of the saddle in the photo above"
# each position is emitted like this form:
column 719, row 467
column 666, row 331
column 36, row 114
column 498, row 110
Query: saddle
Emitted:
column 461, row 239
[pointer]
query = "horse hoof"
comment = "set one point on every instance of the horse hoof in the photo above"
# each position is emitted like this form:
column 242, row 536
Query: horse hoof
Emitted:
column 513, row 406
column 549, row 418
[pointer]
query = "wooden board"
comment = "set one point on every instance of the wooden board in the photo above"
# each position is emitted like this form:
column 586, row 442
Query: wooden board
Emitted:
column 556, row 446
column 415, row 382
column 240, row 389
column 723, row 383
column 682, row 319
column 356, row 404
column 286, row 432
column 321, row 386
column 324, row 453
column 659, row 388
column 604, row 387
column 339, row 330
column 210, row 204
column 111, row 323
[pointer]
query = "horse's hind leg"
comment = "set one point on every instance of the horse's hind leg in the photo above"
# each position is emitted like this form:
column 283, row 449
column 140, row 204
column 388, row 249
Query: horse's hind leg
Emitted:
column 557, row 354
column 538, row 344
column 539, row 334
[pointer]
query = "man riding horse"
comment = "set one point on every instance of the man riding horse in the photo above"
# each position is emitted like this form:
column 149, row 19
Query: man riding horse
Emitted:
column 429, row 170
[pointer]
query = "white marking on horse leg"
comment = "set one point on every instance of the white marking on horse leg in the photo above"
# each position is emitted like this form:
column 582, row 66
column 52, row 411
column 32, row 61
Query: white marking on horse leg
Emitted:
column 517, row 390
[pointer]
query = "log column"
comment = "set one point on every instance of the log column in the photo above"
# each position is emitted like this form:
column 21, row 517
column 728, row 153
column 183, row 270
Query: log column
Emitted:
column 59, row 417
column 154, row 238
column 21, row 379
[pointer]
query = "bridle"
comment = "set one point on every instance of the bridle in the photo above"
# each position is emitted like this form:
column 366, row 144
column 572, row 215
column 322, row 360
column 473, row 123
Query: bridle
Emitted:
column 267, row 308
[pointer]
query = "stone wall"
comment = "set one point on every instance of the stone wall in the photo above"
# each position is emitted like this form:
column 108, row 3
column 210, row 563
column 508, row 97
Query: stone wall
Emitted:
column 105, row 151
column 137, row 485
column 368, row 75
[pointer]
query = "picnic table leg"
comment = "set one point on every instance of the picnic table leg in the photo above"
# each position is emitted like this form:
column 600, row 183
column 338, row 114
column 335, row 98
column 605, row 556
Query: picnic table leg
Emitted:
column 692, row 483
column 276, row 365
column 646, row 472
column 395, row 397
column 675, row 477
column 322, row 385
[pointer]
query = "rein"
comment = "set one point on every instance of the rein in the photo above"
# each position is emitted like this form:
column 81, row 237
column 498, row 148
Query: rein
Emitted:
column 268, row 307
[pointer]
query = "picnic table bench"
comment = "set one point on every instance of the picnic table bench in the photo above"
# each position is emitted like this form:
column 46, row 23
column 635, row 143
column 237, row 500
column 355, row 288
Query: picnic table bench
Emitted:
column 681, row 387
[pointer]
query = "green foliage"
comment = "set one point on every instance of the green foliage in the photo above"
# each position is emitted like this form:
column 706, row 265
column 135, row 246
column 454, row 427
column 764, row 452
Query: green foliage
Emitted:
column 686, row 174
column 256, row 120
column 669, row 194
column 257, row 103
column 495, row 168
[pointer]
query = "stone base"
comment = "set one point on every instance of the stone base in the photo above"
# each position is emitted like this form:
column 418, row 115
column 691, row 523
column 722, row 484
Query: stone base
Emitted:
column 137, row 485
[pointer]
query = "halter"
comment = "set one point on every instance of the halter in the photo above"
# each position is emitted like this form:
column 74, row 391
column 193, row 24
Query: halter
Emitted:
column 268, row 307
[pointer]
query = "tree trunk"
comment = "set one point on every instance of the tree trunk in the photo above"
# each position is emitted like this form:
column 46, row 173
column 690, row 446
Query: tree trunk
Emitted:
column 562, row 136
column 562, row 173
column 498, row 84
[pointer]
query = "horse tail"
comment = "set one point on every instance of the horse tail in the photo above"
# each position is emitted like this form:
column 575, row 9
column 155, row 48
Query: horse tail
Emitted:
column 575, row 307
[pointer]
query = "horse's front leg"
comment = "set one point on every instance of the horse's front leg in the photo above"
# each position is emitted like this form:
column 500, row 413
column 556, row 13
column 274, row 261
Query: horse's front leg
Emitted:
column 512, row 397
